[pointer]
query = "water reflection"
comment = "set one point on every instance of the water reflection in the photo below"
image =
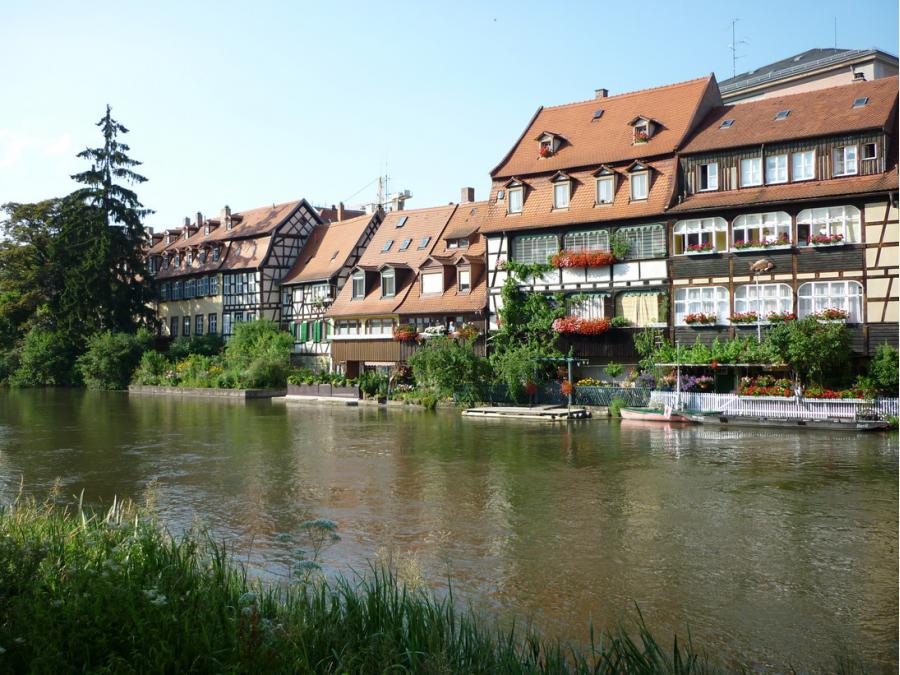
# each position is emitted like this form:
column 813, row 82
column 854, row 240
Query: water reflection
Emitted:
column 776, row 546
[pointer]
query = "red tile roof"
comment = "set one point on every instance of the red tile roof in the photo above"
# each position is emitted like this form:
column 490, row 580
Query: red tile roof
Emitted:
column 255, row 222
column 790, row 192
column 451, row 300
column 609, row 138
column 821, row 112
column 327, row 249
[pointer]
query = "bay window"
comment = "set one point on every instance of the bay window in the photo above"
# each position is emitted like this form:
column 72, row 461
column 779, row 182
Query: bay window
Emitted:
column 701, row 234
column 701, row 300
column 776, row 169
column 803, row 165
column 763, row 299
column 759, row 229
column 816, row 296
column 751, row 171
column 845, row 161
column 830, row 221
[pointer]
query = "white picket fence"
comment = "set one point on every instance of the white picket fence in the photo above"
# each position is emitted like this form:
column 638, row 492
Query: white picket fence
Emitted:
column 774, row 406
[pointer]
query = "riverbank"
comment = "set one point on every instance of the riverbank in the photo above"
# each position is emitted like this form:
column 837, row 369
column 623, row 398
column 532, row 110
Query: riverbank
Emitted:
column 112, row 591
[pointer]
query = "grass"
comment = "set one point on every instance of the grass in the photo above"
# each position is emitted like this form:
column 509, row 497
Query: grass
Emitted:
column 114, row 592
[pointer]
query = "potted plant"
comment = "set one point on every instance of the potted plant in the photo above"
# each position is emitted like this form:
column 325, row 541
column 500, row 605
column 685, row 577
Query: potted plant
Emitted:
column 576, row 259
column 545, row 151
column 744, row 317
column 641, row 137
column 826, row 239
column 700, row 319
column 705, row 247
column 831, row 315
column 781, row 317
column 406, row 333
column 577, row 326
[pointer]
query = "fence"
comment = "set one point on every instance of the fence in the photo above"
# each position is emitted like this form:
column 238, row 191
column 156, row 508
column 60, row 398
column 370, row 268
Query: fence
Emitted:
column 772, row 406
column 599, row 396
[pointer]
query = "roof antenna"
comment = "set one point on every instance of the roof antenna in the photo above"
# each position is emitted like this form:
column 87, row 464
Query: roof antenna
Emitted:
column 734, row 47
column 835, row 32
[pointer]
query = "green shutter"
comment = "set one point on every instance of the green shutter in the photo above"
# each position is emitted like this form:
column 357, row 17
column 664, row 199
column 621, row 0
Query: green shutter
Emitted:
column 304, row 331
column 293, row 328
column 317, row 331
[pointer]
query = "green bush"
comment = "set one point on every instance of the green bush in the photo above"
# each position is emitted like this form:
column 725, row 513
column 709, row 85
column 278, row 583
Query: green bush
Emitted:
column 614, row 369
column 210, row 344
column 883, row 373
column 9, row 363
column 450, row 369
column 619, row 322
column 373, row 384
column 817, row 352
column 260, row 353
column 47, row 358
column 615, row 407
column 111, row 358
column 518, row 366
column 153, row 369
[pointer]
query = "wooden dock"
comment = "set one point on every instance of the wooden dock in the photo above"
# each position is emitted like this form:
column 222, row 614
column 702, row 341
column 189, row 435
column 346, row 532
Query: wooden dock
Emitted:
column 547, row 413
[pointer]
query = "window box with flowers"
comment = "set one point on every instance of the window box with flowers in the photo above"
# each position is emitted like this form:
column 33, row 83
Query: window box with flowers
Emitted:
column 780, row 317
column 573, row 325
column 831, row 315
column 744, row 317
column 820, row 240
column 700, row 320
column 641, row 136
column 545, row 151
column 701, row 249
column 582, row 259
column 406, row 333
column 741, row 245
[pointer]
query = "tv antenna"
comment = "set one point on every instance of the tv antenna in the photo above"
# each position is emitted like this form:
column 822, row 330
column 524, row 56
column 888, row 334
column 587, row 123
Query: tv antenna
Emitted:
column 734, row 47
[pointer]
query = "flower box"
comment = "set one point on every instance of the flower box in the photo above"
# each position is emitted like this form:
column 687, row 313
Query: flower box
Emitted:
column 699, row 319
column 582, row 259
column 744, row 318
column 780, row 317
column 756, row 249
column 573, row 325
column 826, row 240
column 831, row 315
column 705, row 251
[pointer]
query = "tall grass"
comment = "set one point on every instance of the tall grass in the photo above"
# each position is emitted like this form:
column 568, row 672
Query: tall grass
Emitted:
column 114, row 592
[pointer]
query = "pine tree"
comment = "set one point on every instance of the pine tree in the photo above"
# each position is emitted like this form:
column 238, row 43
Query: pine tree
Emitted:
column 116, row 250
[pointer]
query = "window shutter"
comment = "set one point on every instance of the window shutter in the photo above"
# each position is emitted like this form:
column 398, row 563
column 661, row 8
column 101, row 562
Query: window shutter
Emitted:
column 304, row 331
column 317, row 328
column 293, row 328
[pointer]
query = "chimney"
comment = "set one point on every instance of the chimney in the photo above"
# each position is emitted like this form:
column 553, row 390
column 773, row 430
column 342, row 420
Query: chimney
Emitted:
column 187, row 221
column 199, row 219
column 340, row 211
column 396, row 203
column 601, row 93
column 225, row 217
column 467, row 195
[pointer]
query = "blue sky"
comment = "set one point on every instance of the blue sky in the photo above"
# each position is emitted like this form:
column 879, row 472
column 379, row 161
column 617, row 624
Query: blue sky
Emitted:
column 247, row 104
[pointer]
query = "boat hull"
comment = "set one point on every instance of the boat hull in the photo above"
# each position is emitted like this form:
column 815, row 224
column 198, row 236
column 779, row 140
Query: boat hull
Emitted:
column 833, row 424
column 651, row 415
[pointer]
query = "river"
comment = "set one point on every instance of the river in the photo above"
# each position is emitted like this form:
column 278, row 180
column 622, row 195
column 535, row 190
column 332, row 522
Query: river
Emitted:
column 772, row 547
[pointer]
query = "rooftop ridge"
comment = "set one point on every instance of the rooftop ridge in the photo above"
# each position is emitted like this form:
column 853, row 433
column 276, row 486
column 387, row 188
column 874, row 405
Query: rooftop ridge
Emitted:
column 626, row 94
column 814, row 92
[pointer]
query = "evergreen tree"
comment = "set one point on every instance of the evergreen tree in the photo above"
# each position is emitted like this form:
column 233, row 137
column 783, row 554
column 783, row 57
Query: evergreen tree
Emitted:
column 115, row 252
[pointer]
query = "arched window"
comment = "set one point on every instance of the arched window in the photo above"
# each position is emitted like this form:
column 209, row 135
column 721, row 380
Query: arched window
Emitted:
column 772, row 298
column 755, row 230
column 701, row 300
column 829, row 221
column 701, row 234
column 588, row 240
column 815, row 296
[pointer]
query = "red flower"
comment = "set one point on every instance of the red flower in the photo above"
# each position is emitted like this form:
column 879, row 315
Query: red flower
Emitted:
column 566, row 259
column 578, row 326
column 566, row 387
column 530, row 388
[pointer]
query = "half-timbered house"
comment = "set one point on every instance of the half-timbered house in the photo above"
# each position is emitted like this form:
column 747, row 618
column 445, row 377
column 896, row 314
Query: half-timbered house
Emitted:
column 317, row 277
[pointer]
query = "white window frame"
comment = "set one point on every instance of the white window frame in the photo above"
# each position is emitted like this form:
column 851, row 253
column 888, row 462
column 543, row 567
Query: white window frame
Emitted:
column 535, row 248
column 710, row 171
column 843, row 152
column 586, row 240
column 635, row 180
column 428, row 287
column 388, row 275
column 703, row 300
column 562, row 193
column 780, row 169
column 609, row 181
column 754, row 166
column 761, row 227
column 862, row 152
column 589, row 306
column 379, row 327
column 701, row 229
column 358, row 277
column 464, row 280
column 814, row 296
column 801, row 162
column 517, row 195
column 773, row 298
column 844, row 220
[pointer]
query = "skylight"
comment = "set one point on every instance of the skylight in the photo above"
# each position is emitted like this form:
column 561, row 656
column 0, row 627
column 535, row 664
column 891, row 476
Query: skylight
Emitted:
column 860, row 102
column 598, row 114
column 402, row 221
column 782, row 115
column 726, row 123
column 334, row 255
column 424, row 242
column 387, row 245
column 404, row 244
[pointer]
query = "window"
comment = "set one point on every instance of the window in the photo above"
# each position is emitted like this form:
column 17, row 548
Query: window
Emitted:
column 709, row 177
column 588, row 306
column 319, row 292
column 465, row 281
column 173, row 326
column 211, row 326
column 387, row 246
column 818, row 295
column 380, row 327
column 561, row 191
column 534, row 249
column 869, row 151
column 404, row 244
column 758, row 229
column 803, row 165
column 177, row 261
column 776, row 169
column 641, row 131
column 202, row 255
column 164, row 291
column 388, row 283
column 457, row 243
column 402, row 221
column 514, row 205
column 188, row 257
column 432, row 282
column 186, row 326
column 203, row 286
column 198, row 324
column 215, row 253
column 346, row 327
column 151, row 265
column 424, row 242
column 642, row 308
column 589, row 240
column 860, row 102
column 702, row 234
column 845, row 160
column 726, row 124
column 639, row 185
column 334, row 255
column 359, row 285
column 241, row 289
column 226, row 323
column 178, row 290
column 605, row 189
column 782, row 115
column 644, row 241
column 772, row 298
column 830, row 221
column 214, row 285
column 166, row 263
column 190, row 289
column 701, row 300
column 751, row 171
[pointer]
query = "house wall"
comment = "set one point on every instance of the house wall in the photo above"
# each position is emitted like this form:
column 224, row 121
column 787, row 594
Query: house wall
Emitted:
column 205, row 306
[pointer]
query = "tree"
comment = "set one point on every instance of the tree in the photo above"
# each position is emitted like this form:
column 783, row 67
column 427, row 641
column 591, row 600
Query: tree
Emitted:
column 111, row 358
column 883, row 374
column 118, row 247
column 815, row 351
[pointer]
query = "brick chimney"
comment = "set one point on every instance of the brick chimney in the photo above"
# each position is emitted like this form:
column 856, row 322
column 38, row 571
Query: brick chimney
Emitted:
column 601, row 93
column 187, row 221
column 340, row 211
column 199, row 219
column 225, row 217
column 466, row 195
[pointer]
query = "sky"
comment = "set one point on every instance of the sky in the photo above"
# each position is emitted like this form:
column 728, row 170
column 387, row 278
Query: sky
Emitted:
column 252, row 103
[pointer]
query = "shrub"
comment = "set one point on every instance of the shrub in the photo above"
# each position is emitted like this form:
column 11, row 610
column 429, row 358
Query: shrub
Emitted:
column 260, row 353
column 817, row 351
column 619, row 322
column 47, row 358
column 373, row 384
column 152, row 369
column 111, row 358
column 9, row 362
column 210, row 344
column 883, row 373
column 614, row 369
column 615, row 407
column 450, row 369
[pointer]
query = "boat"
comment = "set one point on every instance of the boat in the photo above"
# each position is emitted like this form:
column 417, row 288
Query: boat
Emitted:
column 653, row 415
column 722, row 419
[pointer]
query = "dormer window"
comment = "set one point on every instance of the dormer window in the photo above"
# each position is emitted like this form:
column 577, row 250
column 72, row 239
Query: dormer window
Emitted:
column 177, row 262
column 515, row 196
column 206, row 229
column 189, row 257
column 359, row 285
column 186, row 234
column 562, row 188
column 203, row 254
column 464, row 282
column 639, row 178
column 433, row 283
column 229, row 223
column 388, row 283
column 548, row 144
column 709, row 177
column 166, row 263
column 642, row 128
column 457, row 243
column 215, row 253
column 151, row 265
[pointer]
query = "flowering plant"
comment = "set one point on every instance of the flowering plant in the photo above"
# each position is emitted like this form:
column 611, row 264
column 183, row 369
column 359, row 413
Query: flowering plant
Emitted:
column 406, row 333
column 641, row 137
column 579, row 326
column 781, row 317
column 831, row 314
column 545, row 151
column 566, row 387
column 744, row 317
column 582, row 259
column 589, row 382
column 701, row 248
column 467, row 331
column 699, row 317
column 782, row 240
column 765, row 385
column 530, row 388
column 824, row 239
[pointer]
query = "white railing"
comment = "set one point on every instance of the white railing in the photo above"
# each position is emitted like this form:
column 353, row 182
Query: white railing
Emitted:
column 774, row 406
